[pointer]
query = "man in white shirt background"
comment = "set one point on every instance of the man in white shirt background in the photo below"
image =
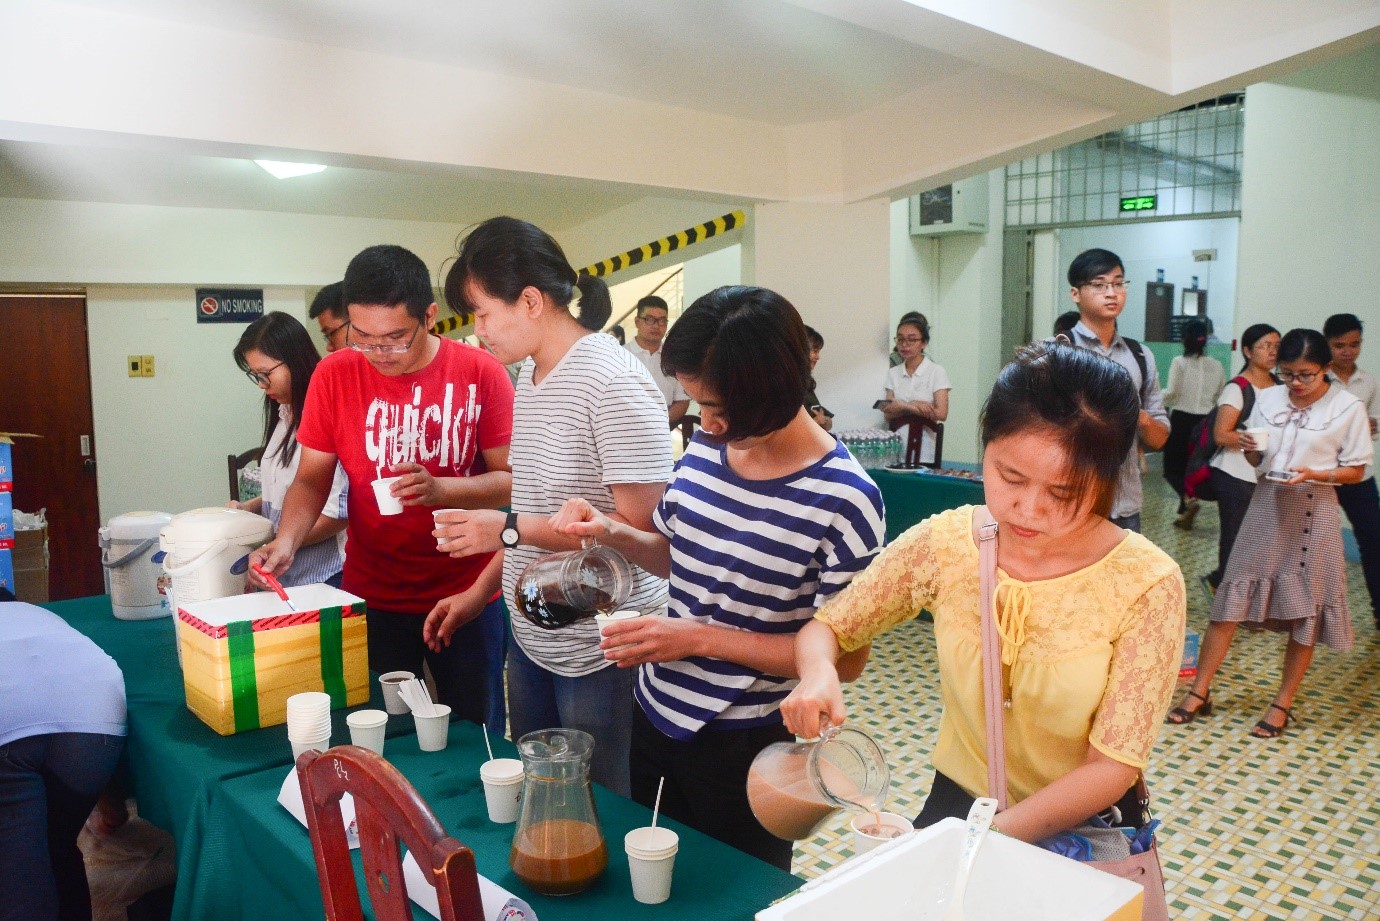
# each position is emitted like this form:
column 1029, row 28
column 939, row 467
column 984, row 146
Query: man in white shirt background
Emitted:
column 1360, row 501
column 652, row 318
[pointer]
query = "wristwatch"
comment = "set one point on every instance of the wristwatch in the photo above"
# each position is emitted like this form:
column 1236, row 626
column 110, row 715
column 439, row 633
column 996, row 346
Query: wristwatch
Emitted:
column 509, row 535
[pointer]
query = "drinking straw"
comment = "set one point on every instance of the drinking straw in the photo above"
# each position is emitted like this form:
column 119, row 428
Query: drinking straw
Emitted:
column 656, row 807
column 486, row 741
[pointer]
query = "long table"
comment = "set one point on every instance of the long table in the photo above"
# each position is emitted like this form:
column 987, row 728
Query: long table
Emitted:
column 217, row 796
column 911, row 497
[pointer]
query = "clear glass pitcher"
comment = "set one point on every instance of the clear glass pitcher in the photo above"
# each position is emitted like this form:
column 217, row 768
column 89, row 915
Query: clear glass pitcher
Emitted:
column 558, row 847
column 561, row 588
column 793, row 787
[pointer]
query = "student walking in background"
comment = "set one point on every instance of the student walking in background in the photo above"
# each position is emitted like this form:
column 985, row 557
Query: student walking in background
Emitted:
column 1287, row 572
column 1233, row 477
column 1360, row 500
column 1195, row 380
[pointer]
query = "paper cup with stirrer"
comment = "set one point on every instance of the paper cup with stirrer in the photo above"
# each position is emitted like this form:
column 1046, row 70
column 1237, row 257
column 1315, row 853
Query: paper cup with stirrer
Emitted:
column 432, row 719
column 651, row 857
column 502, row 785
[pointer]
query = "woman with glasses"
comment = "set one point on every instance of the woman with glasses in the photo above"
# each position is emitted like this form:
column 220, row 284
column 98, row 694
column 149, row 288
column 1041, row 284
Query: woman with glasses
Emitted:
column 277, row 354
column 1287, row 572
column 588, row 421
column 916, row 386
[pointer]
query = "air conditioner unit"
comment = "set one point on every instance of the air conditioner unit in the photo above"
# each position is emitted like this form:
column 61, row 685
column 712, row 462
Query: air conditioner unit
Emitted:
column 957, row 208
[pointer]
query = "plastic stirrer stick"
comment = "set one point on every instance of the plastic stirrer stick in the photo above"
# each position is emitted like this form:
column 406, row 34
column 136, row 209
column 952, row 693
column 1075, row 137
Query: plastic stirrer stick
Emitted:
column 656, row 807
column 486, row 741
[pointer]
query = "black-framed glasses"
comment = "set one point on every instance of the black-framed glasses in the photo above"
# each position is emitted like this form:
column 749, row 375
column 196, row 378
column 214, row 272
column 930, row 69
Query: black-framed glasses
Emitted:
column 654, row 321
column 330, row 333
column 1303, row 377
column 261, row 377
column 908, row 340
column 1103, row 287
column 388, row 348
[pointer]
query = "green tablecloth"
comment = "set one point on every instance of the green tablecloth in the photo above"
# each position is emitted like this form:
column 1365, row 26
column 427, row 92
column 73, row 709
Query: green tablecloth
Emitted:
column 176, row 763
column 912, row 497
column 257, row 860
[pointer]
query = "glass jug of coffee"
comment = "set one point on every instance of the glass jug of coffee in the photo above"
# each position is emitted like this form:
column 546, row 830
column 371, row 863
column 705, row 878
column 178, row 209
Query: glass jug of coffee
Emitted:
column 561, row 588
column 558, row 847
column 794, row 786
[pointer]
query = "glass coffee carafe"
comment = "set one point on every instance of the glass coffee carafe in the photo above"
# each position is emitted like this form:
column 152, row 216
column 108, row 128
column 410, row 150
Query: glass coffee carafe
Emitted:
column 794, row 786
column 561, row 588
column 558, row 847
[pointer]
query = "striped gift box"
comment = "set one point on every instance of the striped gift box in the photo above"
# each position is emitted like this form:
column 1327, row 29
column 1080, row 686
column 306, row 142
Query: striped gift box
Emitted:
column 244, row 656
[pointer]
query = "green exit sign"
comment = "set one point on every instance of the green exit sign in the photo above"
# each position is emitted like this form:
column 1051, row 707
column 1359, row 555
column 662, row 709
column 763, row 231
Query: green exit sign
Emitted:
column 1139, row 203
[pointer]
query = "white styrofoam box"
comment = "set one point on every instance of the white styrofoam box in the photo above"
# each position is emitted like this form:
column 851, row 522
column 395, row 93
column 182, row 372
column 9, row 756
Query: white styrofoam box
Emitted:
column 910, row 877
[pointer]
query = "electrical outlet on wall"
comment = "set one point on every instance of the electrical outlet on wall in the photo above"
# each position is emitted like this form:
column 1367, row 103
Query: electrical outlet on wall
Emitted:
column 146, row 365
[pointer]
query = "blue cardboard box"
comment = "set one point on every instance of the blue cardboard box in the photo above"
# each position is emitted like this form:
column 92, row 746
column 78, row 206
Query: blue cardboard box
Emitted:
column 6, row 464
column 6, row 520
column 7, row 571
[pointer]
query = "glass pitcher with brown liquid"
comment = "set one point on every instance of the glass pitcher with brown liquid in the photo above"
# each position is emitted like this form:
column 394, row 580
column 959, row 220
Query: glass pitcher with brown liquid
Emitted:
column 794, row 786
column 558, row 847
column 561, row 588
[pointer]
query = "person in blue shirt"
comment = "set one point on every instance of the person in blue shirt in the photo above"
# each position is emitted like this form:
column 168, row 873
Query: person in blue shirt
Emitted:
column 62, row 729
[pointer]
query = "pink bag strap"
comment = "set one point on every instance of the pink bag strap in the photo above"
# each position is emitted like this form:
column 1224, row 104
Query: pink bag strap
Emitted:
column 993, row 698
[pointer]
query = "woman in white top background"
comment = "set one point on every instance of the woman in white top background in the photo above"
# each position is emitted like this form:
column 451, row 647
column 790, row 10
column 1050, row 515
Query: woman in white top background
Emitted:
column 1233, row 477
column 1195, row 380
column 1287, row 572
column 916, row 386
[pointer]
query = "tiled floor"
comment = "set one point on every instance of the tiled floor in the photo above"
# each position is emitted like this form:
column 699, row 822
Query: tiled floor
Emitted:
column 1252, row 828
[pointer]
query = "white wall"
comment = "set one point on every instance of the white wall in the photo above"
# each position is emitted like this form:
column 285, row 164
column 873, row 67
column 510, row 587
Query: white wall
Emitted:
column 1310, row 198
column 161, row 442
column 712, row 270
column 1154, row 245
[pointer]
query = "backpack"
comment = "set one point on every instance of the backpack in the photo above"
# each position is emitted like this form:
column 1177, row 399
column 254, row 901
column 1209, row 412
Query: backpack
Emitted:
column 1138, row 353
column 1202, row 447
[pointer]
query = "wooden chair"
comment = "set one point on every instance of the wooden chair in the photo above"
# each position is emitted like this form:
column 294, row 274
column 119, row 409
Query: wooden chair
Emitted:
column 915, row 440
column 238, row 462
column 687, row 426
column 388, row 811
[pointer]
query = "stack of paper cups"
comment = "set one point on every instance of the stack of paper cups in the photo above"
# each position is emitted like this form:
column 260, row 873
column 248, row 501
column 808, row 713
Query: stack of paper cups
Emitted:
column 309, row 722
column 367, row 729
column 502, row 788
column 651, row 857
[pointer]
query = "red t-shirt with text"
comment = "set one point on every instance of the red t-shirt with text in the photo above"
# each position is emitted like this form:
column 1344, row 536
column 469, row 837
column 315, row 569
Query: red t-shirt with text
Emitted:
column 441, row 417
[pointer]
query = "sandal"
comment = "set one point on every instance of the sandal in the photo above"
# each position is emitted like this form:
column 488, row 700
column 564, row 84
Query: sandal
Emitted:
column 1264, row 730
column 1182, row 716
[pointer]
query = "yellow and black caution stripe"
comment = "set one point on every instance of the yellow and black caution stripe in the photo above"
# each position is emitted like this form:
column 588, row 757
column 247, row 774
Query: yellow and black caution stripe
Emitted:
column 721, row 224
column 675, row 241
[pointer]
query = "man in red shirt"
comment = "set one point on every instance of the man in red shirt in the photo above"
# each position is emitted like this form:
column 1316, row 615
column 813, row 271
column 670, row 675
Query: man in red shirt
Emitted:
column 437, row 414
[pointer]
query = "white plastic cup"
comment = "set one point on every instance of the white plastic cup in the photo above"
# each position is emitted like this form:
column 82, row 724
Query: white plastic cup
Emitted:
column 651, row 859
column 433, row 730
column 436, row 522
column 392, row 700
column 863, row 842
column 319, row 745
column 603, row 620
column 389, row 504
column 1261, row 437
column 367, row 728
column 502, row 788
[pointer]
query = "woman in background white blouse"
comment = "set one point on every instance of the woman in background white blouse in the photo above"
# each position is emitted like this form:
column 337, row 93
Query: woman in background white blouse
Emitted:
column 917, row 386
column 1287, row 571
column 1195, row 380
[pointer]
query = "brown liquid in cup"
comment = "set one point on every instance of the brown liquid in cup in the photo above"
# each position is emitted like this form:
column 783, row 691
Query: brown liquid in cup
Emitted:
column 881, row 831
column 559, row 856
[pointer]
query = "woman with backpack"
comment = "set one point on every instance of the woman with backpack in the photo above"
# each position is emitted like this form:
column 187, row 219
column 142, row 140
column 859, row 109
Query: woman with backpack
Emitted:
column 1195, row 381
column 1233, row 477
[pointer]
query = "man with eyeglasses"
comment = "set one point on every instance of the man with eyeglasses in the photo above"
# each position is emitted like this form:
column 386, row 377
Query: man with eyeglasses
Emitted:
column 1098, row 288
column 652, row 318
column 435, row 416
column 329, row 312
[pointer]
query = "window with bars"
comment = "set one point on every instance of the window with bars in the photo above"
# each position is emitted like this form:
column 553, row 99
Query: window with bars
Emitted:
column 1189, row 161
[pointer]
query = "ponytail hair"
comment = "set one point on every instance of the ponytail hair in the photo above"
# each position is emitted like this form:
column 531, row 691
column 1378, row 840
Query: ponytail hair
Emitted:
column 503, row 255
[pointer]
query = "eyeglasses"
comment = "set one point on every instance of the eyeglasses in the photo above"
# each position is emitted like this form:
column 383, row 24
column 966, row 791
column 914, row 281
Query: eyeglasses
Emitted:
column 1104, row 287
column 261, row 377
column 1303, row 377
column 329, row 333
column 653, row 321
column 908, row 340
column 388, row 348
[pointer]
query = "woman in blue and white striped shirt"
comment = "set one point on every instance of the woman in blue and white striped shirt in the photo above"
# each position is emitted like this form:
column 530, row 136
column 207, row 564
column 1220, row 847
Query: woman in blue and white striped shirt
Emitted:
column 766, row 517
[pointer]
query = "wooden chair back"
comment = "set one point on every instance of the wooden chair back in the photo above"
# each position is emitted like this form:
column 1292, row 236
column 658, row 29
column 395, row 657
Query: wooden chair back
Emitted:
column 687, row 426
column 238, row 462
column 388, row 811
column 915, row 440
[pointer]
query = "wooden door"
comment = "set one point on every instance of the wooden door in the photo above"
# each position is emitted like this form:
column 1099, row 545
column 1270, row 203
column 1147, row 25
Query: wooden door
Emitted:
column 47, row 390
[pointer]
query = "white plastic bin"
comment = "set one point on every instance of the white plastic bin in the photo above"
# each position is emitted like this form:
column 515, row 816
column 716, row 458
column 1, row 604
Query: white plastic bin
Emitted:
column 129, row 544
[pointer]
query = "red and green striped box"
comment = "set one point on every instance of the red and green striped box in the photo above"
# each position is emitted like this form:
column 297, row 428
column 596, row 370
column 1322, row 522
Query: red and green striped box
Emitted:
column 244, row 656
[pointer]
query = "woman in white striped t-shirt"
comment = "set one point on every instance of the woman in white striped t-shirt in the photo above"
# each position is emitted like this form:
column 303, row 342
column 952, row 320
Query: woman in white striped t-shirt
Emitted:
column 588, row 421
column 766, row 517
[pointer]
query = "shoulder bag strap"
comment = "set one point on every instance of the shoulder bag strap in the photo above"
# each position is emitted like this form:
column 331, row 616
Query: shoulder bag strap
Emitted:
column 992, row 696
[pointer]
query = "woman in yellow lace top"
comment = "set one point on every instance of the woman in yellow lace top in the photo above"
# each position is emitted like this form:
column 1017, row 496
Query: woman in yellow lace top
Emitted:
column 1091, row 616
